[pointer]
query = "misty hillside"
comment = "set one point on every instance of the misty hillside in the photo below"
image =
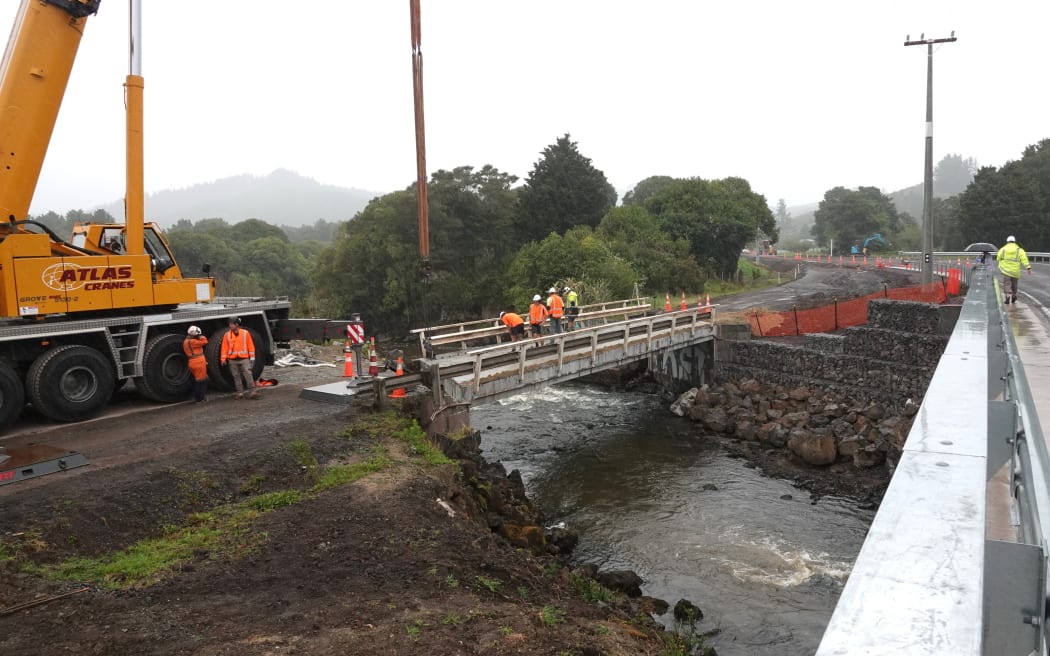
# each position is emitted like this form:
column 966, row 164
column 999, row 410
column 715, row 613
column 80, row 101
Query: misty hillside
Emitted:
column 281, row 198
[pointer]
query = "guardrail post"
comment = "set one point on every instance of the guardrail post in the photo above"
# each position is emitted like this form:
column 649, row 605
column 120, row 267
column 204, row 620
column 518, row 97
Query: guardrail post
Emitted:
column 477, row 373
column 561, row 353
column 521, row 363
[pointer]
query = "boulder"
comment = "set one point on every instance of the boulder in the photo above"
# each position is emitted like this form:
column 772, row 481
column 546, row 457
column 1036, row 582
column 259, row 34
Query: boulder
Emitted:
column 815, row 450
column 800, row 419
column 799, row 394
column 751, row 386
column 684, row 403
column 833, row 410
column 911, row 408
column 564, row 539
column 869, row 456
column 624, row 581
column 715, row 420
column 745, row 430
column 764, row 431
column 850, row 445
column 529, row 536
column 841, row 428
column 654, row 606
column 875, row 411
column 774, row 414
column 687, row 611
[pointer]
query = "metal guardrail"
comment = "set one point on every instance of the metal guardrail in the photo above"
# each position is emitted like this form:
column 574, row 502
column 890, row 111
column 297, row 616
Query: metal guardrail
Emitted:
column 471, row 332
column 927, row 579
column 916, row 256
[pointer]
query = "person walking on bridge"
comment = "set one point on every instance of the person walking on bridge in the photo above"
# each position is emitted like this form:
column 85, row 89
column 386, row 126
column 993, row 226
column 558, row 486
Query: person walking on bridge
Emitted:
column 556, row 307
column 238, row 352
column 514, row 323
column 537, row 316
column 193, row 347
column 1011, row 258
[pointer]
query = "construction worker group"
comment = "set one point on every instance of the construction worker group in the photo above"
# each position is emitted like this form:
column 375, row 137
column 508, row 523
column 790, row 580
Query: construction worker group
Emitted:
column 555, row 310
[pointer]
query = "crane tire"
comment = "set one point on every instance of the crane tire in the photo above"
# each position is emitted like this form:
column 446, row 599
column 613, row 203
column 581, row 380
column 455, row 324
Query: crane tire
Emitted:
column 165, row 375
column 12, row 395
column 219, row 377
column 70, row 383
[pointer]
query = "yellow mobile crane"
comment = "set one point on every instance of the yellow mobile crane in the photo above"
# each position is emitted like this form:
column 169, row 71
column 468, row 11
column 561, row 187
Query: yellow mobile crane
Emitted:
column 103, row 267
column 80, row 317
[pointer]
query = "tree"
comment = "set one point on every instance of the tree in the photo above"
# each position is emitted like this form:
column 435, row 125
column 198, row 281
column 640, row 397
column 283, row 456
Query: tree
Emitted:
column 953, row 175
column 782, row 215
column 717, row 217
column 850, row 216
column 579, row 255
column 1014, row 199
column 563, row 190
column 663, row 263
column 373, row 264
column 646, row 189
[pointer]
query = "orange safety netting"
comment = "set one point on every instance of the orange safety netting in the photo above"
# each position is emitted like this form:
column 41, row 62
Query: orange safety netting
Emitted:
column 843, row 314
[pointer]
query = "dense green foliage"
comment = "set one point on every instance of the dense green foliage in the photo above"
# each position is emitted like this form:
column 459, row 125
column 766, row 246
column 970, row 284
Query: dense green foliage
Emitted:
column 563, row 190
column 250, row 258
column 1011, row 200
column 716, row 217
column 850, row 216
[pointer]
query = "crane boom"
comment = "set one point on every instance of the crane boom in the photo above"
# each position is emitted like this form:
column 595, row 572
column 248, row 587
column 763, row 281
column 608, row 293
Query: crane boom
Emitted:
column 35, row 72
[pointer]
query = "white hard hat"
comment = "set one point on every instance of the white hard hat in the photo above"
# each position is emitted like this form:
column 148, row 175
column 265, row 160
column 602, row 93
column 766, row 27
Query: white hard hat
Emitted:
column 193, row 331
column 552, row 291
column 1010, row 238
column 536, row 297
column 501, row 314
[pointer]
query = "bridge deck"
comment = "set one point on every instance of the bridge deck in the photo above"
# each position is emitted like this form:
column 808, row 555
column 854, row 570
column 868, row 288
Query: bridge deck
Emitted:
column 486, row 374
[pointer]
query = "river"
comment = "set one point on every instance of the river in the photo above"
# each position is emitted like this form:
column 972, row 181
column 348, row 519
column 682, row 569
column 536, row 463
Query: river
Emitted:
column 645, row 492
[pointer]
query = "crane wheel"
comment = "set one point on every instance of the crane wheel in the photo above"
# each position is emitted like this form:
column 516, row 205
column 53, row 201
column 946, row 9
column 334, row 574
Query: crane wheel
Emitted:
column 165, row 375
column 70, row 383
column 219, row 377
column 12, row 395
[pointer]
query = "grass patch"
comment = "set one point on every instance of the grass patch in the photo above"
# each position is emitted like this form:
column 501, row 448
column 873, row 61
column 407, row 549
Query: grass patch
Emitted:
column 337, row 475
column 305, row 458
column 275, row 500
column 420, row 444
column 222, row 531
column 552, row 616
column 590, row 590
column 492, row 585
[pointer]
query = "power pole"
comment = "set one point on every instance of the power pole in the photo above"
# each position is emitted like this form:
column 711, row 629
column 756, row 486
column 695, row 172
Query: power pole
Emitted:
column 927, row 187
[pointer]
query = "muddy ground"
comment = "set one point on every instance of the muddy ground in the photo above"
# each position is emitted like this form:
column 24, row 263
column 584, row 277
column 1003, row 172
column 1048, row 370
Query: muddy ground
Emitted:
column 376, row 566
column 373, row 566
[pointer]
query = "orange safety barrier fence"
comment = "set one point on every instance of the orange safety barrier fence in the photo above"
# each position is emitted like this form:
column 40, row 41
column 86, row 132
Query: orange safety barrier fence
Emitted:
column 843, row 314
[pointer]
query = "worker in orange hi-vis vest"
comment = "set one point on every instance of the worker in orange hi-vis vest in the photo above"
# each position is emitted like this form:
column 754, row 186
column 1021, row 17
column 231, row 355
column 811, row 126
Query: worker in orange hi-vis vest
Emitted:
column 193, row 347
column 556, row 307
column 514, row 323
column 537, row 316
column 238, row 352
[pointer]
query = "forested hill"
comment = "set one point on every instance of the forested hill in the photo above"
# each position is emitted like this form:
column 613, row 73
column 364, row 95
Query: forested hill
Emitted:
column 281, row 198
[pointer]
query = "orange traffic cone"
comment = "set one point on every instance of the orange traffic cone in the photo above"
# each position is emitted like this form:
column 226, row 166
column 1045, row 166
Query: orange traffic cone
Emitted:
column 708, row 302
column 699, row 303
column 683, row 306
column 373, row 366
column 865, row 260
column 348, row 364
column 399, row 392
column 667, row 302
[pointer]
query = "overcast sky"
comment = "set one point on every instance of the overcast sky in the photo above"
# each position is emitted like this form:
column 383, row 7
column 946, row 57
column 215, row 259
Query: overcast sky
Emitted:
column 796, row 97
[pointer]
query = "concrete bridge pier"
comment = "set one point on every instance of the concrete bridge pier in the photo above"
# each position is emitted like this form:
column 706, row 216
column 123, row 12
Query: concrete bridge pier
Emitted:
column 680, row 369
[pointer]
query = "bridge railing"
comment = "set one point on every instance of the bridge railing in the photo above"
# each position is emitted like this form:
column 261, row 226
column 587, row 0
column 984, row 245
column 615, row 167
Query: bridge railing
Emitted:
column 584, row 348
column 928, row 580
column 471, row 332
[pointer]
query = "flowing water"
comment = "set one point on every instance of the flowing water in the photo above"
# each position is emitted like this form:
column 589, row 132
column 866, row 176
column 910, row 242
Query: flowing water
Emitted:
column 646, row 493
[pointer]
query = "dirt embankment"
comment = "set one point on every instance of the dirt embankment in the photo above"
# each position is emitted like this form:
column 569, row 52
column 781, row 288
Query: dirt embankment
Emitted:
column 284, row 526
